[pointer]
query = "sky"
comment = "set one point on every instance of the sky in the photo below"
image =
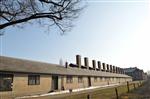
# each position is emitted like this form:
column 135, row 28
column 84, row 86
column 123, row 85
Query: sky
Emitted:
column 116, row 32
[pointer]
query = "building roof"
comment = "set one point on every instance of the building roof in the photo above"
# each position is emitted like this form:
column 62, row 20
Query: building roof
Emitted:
column 8, row 64
column 132, row 69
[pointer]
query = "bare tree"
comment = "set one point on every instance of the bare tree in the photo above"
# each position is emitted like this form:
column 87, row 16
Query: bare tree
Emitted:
column 58, row 13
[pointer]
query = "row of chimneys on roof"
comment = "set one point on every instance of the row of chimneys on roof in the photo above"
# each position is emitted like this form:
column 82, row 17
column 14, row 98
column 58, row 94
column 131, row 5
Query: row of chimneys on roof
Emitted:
column 106, row 67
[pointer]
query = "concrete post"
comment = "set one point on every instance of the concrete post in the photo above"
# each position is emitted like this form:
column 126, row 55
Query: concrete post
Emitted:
column 86, row 62
column 94, row 64
column 99, row 65
column 78, row 60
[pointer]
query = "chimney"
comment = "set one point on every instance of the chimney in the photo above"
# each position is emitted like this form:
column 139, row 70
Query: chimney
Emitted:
column 108, row 68
column 124, row 72
column 99, row 65
column 120, row 70
column 104, row 69
column 111, row 68
column 78, row 60
column 117, row 70
column 94, row 64
column 114, row 69
column 66, row 64
column 86, row 62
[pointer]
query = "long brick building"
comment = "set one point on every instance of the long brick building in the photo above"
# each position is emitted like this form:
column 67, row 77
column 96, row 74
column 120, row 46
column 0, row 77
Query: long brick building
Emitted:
column 20, row 77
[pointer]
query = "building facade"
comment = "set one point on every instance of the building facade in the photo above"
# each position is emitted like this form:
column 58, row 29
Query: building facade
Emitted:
column 135, row 73
column 20, row 77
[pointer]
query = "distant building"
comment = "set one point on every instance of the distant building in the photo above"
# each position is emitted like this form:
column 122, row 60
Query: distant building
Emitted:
column 135, row 73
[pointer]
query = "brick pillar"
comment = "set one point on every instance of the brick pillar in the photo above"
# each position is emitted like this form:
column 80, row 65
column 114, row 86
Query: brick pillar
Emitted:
column 78, row 60
column 86, row 62
column 94, row 64
column 104, row 68
column 99, row 65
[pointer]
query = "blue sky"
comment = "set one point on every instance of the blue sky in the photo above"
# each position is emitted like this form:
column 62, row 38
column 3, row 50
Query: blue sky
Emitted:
column 115, row 32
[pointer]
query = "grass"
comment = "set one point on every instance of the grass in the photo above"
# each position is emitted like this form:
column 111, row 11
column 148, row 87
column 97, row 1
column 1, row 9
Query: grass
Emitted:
column 141, row 93
column 108, row 93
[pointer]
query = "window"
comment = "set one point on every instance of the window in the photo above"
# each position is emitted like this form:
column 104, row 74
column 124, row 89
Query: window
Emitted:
column 6, row 81
column 33, row 79
column 95, row 79
column 80, row 79
column 69, row 79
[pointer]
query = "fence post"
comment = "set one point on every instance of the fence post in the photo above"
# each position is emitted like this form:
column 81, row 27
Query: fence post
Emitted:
column 138, row 85
column 88, row 96
column 128, row 86
column 134, row 86
column 117, row 96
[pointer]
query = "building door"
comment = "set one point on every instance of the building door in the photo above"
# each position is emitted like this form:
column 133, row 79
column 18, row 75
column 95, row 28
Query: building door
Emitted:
column 6, row 82
column 89, row 81
column 54, row 83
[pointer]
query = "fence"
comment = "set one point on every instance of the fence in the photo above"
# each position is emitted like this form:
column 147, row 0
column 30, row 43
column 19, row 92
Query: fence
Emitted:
column 110, row 93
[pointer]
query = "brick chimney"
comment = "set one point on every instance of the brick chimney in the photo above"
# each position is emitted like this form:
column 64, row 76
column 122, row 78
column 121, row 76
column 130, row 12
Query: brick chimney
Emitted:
column 66, row 64
column 114, row 69
column 99, row 65
column 86, row 62
column 94, row 64
column 78, row 60
column 104, row 68
column 111, row 68
column 117, row 70
column 108, row 68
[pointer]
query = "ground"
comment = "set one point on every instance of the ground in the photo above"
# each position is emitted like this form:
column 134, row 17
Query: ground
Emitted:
column 102, row 93
column 140, row 93
column 137, row 90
